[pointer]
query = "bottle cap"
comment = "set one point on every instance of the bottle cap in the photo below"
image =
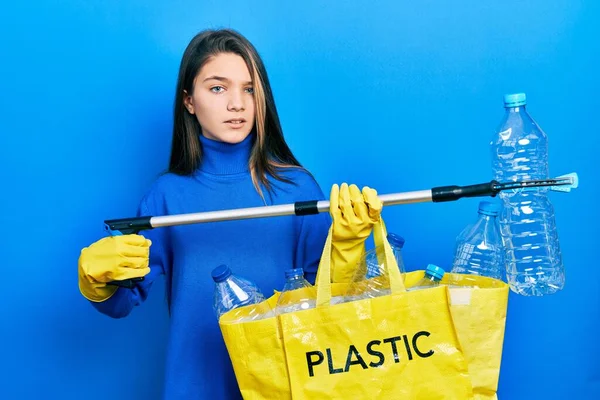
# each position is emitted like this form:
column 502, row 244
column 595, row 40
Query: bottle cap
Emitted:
column 294, row 273
column 515, row 100
column 221, row 273
column 395, row 240
column 489, row 208
column 435, row 271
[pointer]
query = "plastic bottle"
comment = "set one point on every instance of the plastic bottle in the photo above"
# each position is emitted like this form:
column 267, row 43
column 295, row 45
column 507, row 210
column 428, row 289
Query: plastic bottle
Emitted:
column 374, row 268
column 432, row 277
column 479, row 249
column 232, row 291
column 519, row 149
column 297, row 294
column 371, row 278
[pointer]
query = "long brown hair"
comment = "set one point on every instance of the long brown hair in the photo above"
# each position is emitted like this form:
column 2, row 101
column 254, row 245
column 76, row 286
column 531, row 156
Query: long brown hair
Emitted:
column 270, row 151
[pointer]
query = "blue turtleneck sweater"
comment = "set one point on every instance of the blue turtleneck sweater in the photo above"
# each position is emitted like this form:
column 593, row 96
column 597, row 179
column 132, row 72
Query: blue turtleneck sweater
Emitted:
column 198, row 366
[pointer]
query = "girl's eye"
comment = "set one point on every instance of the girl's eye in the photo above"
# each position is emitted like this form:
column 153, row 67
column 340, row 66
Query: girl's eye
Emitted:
column 250, row 90
column 217, row 89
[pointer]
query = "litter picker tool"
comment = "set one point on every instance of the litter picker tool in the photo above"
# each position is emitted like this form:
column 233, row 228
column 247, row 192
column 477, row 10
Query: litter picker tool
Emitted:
column 439, row 194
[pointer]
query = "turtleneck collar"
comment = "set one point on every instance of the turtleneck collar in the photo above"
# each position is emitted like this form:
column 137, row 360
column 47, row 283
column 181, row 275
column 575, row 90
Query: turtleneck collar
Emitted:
column 220, row 158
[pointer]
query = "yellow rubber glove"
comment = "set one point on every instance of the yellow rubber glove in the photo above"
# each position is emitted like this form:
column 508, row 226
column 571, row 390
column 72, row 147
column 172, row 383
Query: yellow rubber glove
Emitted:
column 109, row 259
column 354, row 214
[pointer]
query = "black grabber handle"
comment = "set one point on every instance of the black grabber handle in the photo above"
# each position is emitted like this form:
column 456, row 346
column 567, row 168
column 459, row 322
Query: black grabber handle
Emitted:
column 127, row 226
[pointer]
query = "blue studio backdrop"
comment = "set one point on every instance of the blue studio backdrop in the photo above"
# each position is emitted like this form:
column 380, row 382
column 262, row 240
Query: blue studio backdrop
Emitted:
column 396, row 95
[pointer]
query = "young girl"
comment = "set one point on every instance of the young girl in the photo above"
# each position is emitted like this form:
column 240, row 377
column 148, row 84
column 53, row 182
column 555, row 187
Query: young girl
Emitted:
column 228, row 152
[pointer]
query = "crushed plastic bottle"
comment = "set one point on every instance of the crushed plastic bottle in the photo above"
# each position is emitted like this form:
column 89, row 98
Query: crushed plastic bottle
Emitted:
column 432, row 277
column 479, row 249
column 297, row 294
column 373, row 266
column 232, row 292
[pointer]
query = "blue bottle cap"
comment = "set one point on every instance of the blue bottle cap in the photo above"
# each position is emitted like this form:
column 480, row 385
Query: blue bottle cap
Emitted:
column 294, row 273
column 395, row 240
column 221, row 273
column 489, row 208
column 435, row 271
column 515, row 100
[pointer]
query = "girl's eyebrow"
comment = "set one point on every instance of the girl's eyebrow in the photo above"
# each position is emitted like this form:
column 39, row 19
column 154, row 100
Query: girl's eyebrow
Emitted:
column 223, row 79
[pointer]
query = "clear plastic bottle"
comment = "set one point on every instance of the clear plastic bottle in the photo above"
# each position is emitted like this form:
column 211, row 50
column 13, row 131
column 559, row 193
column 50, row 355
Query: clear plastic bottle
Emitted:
column 371, row 278
column 432, row 277
column 374, row 268
column 297, row 294
column 519, row 149
column 479, row 249
column 232, row 291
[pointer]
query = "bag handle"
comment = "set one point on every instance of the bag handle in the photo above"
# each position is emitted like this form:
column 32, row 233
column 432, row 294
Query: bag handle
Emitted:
column 323, row 280
column 379, row 249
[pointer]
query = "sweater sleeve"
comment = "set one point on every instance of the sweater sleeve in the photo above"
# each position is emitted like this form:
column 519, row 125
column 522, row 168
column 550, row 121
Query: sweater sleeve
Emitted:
column 121, row 303
column 312, row 233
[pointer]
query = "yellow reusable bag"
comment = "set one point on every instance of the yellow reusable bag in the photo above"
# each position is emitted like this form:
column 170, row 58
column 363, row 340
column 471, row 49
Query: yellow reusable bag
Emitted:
column 478, row 305
column 479, row 315
column 400, row 346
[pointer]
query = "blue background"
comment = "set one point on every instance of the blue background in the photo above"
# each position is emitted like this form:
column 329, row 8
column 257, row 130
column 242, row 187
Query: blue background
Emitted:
column 397, row 95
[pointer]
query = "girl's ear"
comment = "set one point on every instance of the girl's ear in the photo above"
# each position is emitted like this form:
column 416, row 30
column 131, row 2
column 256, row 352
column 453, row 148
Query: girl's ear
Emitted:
column 188, row 102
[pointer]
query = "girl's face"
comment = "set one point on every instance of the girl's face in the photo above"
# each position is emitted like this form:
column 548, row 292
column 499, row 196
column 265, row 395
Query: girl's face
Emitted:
column 223, row 99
